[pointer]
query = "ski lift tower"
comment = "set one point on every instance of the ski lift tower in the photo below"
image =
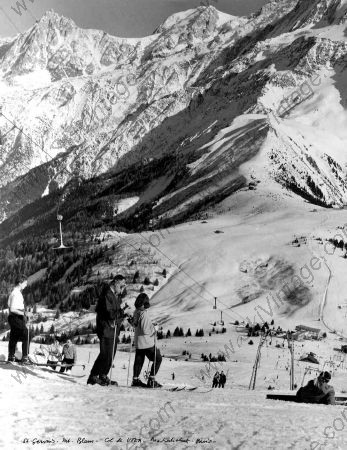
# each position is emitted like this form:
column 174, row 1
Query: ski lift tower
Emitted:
column 62, row 246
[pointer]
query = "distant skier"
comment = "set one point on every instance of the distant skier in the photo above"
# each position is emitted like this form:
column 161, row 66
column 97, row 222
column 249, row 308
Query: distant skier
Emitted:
column 215, row 381
column 317, row 391
column 145, row 332
column 222, row 379
column 173, row 376
column 69, row 356
column 17, row 320
column 109, row 317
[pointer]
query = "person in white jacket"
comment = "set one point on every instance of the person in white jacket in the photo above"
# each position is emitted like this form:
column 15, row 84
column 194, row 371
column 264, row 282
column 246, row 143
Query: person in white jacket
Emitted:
column 145, row 332
column 69, row 356
column 53, row 353
column 17, row 320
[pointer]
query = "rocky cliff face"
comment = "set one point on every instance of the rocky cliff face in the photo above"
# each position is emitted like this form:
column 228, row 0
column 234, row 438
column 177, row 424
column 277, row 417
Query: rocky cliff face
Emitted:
column 260, row 97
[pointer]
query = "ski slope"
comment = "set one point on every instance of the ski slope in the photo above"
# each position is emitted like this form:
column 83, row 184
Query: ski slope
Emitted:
column 44, row 407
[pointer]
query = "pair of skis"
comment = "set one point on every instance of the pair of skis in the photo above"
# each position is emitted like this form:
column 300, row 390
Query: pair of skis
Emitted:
column 30, row 368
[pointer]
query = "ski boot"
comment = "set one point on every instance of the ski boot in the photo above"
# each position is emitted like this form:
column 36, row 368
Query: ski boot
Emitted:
column 152, row 383
column 26, row 361
column 138, row 383
column 105, row 379
column 94, row 379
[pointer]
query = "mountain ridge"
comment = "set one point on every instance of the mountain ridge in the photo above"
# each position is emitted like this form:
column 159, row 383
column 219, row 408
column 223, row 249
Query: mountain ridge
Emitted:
column 176, row 91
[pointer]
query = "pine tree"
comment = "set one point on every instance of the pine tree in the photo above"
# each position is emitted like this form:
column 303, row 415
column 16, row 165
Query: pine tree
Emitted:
column 168, row 334
column 164, row 273
column 189, row 333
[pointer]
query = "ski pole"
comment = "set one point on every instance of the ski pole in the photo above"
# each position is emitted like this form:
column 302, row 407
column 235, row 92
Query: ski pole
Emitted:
column 113, row 347
column 28, row 343
column 155, row 354
column 131, row 344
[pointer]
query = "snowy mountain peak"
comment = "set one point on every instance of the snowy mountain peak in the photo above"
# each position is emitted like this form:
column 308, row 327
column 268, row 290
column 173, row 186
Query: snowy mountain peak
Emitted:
column 53, row 19
column 203, row 72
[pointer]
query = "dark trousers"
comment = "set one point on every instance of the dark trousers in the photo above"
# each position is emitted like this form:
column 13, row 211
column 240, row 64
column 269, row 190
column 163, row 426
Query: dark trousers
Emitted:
column 140, row 359
column 304, row 397
column 66, row 361
column 103, row 362
column 18, row 333
column 52, row 364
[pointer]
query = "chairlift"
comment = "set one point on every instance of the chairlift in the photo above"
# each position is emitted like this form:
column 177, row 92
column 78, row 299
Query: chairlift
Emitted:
column 62, row 246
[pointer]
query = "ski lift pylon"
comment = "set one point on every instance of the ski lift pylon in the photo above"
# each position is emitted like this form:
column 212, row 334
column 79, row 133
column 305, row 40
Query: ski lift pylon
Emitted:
column 62, row 246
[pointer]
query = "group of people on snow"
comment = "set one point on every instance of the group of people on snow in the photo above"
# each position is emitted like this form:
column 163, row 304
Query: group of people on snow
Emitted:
column 110, row 313
column 109, row 317
column 65, row 357
column 219, row 380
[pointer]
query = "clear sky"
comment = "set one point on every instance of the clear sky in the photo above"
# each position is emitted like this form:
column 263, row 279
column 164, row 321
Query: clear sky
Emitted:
column 130, row 18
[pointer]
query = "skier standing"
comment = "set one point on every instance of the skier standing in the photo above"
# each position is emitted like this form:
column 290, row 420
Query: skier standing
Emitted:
column 17, row 320
column 109, row 317
column 69, row 356
column 215, row 381
column 145, row 333
column 222, row 379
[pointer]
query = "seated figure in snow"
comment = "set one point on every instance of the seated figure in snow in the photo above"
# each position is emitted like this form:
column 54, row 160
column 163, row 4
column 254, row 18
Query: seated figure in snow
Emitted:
column 317, row 391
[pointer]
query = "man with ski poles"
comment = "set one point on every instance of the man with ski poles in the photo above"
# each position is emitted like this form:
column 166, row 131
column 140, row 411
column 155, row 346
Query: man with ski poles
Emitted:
column 109, row 317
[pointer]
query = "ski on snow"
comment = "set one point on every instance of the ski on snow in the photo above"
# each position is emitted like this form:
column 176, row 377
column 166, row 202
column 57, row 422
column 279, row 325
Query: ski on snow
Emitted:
column 30, row 369
column 169, row 388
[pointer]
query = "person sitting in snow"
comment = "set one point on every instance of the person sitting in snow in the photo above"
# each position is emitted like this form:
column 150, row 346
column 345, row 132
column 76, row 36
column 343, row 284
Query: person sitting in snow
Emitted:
column 69, row 356
column 145, row 343
column 317, row 391
column 53, row 353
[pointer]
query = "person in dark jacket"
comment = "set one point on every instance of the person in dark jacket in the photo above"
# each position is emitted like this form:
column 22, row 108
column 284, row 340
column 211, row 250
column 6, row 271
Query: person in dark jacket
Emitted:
column 215, row 381
column 109, row 317
column 222, row 379
column 317, row 391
